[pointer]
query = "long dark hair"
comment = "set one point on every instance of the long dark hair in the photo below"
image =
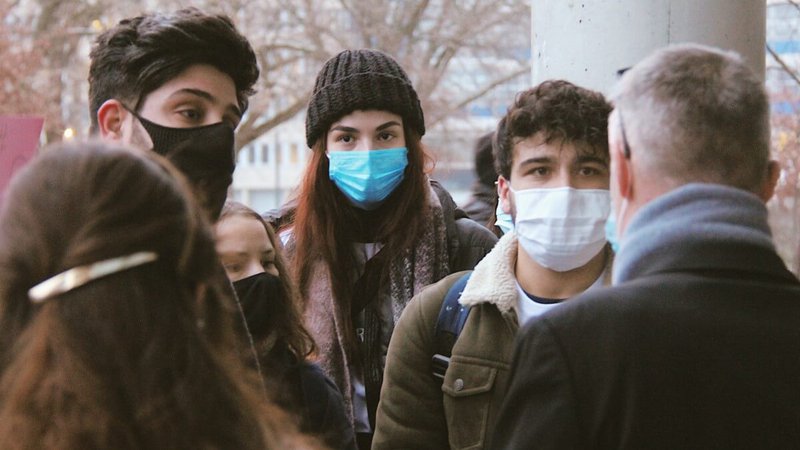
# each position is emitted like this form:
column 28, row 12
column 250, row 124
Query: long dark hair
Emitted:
column 285, row 319
column 324, row 222
column 141, row 358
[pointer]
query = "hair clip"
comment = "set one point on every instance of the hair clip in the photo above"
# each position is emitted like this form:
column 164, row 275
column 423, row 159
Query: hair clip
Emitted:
column 78, row 276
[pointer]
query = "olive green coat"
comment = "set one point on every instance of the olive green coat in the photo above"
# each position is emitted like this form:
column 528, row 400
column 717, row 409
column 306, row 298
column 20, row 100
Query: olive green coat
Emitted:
column 416, row 411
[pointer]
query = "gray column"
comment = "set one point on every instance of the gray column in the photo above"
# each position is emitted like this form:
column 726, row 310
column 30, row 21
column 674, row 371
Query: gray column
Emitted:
column 588, row 41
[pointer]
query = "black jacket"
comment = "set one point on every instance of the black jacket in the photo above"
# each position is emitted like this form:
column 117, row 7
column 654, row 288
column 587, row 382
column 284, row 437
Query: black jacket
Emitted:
column 701, row 350
column 303, row 389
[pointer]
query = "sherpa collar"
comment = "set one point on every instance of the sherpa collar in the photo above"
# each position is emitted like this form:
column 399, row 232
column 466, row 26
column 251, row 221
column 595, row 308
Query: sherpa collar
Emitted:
column 493, row 280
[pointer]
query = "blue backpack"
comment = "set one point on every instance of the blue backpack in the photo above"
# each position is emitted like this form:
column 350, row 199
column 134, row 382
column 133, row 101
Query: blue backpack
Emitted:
column 449, row 324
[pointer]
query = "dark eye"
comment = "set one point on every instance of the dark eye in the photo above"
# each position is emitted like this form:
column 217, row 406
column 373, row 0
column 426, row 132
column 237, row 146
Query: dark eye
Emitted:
column 540, row 171
column 345, row 138
column 589, row 171
column 385, row 136
column 191, row 114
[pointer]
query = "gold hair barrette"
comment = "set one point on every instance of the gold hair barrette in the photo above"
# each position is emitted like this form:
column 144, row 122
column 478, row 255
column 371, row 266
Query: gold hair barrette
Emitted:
column 78, row 276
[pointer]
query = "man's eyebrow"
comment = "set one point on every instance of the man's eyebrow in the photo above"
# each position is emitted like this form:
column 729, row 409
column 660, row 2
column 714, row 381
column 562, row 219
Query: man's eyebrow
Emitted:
column 582, row 159
column 537, row 160
column 231, row 108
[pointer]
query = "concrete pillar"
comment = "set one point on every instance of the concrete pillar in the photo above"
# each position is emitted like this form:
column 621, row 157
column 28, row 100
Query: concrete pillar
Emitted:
column 588, row 41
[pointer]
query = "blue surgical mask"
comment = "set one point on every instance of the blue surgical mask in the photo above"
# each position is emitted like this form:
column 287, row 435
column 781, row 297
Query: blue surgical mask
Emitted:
column 504, row 220
column 611, row 232
column 366, row 178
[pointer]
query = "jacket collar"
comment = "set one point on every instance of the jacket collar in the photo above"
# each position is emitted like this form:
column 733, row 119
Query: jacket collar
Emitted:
column 493, row 279
column 699, row 227
column 494, row 282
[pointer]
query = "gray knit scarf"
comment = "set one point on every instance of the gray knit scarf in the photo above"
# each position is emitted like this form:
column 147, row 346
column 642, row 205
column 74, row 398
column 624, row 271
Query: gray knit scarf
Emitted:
column 692, row 214
column 415, row 268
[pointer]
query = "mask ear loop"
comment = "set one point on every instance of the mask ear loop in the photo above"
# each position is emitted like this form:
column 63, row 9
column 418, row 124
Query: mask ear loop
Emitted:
column 130, row 110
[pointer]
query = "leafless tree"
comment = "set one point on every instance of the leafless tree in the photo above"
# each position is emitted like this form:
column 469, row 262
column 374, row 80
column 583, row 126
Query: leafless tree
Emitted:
column 455, row 51
column 783, row 82
column 21, row 90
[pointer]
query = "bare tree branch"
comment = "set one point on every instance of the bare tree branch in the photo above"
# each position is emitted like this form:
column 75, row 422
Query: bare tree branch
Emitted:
column 478, row 94
column 783, row 64
column 293, row 38
column 249, row 133
column 411, row 24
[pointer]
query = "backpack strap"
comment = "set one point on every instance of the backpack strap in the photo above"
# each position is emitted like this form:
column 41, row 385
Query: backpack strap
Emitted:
column 451, row 320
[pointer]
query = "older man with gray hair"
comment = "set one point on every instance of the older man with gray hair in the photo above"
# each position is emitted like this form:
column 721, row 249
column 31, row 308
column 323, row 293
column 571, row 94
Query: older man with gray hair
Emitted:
column 697, row 344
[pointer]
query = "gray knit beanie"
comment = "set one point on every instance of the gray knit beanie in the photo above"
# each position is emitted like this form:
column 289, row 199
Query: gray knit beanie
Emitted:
column 361, row 80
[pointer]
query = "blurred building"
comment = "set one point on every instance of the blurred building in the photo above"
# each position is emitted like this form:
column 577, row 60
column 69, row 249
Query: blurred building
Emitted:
column 783, row 38
column 271, row 166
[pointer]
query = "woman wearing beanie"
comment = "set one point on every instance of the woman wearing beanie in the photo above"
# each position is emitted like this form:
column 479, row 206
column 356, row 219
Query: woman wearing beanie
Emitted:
column 370, row 229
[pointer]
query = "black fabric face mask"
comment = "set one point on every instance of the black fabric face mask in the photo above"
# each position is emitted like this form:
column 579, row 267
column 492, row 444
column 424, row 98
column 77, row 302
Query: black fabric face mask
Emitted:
column 205, row 155
column 259, row 294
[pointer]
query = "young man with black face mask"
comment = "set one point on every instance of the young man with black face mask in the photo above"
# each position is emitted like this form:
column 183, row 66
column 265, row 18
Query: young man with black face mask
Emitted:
column 176, row 84
column 551, row 153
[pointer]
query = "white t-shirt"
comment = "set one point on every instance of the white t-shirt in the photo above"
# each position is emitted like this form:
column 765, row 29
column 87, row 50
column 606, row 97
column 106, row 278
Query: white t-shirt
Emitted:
column 528, row 308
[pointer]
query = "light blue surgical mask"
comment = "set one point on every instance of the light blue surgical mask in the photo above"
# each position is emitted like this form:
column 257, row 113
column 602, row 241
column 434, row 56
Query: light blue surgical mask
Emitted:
column 367, row 177
column 611, row 232
column 504, row 220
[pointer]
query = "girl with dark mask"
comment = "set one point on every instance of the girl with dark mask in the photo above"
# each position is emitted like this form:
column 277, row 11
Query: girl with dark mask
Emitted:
column 250, row 253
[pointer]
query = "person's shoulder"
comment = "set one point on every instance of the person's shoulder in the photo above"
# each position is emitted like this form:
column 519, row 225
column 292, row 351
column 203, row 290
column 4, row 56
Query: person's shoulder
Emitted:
column 325, row 416
column 320, row 393
column 478, row 209
column 312, row 376
column 474, row 242
column 474, row 232
column 429, row 300
column 282, row 215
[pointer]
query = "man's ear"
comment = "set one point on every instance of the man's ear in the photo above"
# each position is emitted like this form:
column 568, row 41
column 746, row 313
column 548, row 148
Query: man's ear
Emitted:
column 621, row 173
column 503, row 193
column 773, row 173
column 110, row 117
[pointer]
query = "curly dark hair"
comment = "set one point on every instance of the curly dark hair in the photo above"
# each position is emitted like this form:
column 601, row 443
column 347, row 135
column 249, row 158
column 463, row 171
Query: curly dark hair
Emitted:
column 140, row 54
column 558, row 109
